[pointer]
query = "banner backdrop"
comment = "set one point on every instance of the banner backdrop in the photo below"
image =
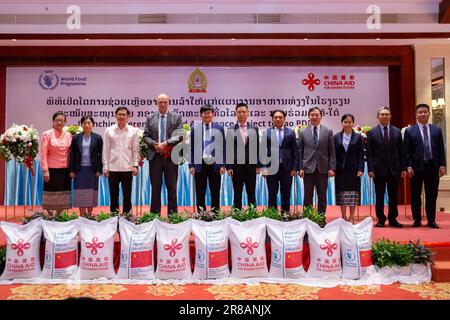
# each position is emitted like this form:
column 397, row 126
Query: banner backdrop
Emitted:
column 33, row 94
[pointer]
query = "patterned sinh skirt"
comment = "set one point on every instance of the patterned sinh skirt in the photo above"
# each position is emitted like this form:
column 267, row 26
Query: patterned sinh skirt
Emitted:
column 57, row 190
column 85, row 193
column 348, row 198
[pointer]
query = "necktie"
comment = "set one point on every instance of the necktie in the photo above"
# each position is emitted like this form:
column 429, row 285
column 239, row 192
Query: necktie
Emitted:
column 162, row 124
column 280, row 137
column 426, row 144
column 315, row 136
column 207, row 141
column 386, row 136
column 243, row 132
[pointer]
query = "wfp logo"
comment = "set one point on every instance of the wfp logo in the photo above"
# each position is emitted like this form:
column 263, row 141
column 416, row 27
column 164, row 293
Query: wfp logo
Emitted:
column 350, row 255
column 48, row 80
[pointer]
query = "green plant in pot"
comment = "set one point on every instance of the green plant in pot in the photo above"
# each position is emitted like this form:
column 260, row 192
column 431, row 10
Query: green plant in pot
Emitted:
column 149, row 216
column 422, row 255
column 245, row 214
column 387, row 253
column 271, row 213
column 209, row 215
column 313, row 215
column 177, row 217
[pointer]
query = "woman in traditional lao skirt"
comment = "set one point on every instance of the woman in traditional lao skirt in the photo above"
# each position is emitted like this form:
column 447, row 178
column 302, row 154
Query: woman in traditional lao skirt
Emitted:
column 55, row 150
column 349, row 167
column 86, row 166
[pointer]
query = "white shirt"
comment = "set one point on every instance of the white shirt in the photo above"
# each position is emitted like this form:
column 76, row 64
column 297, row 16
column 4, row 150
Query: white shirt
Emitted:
column 120, row 148
column 429, row 137
column 346, row 140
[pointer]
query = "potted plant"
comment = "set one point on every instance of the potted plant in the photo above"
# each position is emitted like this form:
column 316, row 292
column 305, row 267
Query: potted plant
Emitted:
column 392, row 257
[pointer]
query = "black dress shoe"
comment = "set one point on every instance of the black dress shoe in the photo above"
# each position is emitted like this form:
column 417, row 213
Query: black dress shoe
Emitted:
column 380, row 225
column 433, row 225
column 417, row 224
column 395, row 224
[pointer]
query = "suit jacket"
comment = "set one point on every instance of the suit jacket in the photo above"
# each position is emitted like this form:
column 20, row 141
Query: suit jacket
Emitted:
column 233, row 134
column 385, row 158
column 95, row 152
column 174, row 131
column 197, row 145
column 288, row 151
column 353, row 158
column 414, row 152
column 322, row 156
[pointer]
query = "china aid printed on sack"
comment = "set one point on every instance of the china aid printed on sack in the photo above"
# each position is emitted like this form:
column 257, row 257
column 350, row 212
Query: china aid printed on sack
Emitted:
column 23, row 244
column 97, row 248
column 173, row 260
column 248, row 251
column 325, row 250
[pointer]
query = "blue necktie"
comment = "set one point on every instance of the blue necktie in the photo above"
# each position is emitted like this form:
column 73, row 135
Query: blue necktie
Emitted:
column 207, row 141
column 426, row 144
column 280, row 137
column 162, row 123
column 315, row 136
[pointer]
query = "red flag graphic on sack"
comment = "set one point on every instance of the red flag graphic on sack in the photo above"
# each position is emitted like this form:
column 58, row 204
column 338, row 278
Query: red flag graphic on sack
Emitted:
column 218, row 258
column 141, row 259
column 65, row 259
column 366, row 258
column 293, row 259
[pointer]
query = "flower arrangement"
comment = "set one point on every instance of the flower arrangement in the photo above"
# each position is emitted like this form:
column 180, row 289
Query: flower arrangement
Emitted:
column 20, row 142
column 362, row 131
column 73, row 129
column 143, row 148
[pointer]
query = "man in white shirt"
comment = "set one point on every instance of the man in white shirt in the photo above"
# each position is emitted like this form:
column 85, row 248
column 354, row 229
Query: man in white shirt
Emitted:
column 120, row 159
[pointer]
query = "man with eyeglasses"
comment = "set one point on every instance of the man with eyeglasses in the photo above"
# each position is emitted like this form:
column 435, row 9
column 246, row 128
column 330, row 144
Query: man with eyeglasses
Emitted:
column 425, row 161
column 386, row 162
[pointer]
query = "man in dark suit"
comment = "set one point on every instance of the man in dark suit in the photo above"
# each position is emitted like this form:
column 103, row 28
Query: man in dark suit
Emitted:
column 281, row 141
column 385, row 161
column 207, row 157
column 242, row 165
column 163, row 130
column 317, row 159
column 425, row 161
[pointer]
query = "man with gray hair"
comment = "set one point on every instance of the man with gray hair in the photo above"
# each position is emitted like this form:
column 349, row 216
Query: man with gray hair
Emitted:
column 385, row 161
column 163, row 130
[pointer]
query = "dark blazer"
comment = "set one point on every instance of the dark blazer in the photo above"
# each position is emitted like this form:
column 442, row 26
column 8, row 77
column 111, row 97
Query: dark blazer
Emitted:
column 381, row 156
column 288, row 150
column 196, row 143
column 414, row 152
column 174, row 131
column 95, row 152
column 353, row 158
column 234, row 133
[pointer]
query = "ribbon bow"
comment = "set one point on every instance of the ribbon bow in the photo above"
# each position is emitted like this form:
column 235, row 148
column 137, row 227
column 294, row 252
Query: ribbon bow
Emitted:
column 329, row 247
column 173, row 247
column 249, row 245
column 94, row 245
column 20, row 246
